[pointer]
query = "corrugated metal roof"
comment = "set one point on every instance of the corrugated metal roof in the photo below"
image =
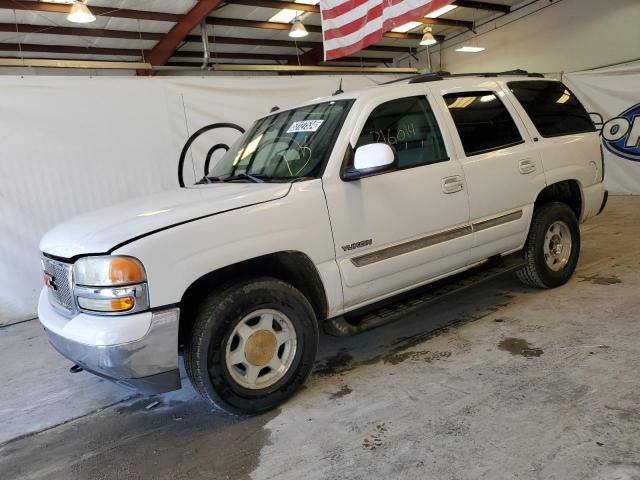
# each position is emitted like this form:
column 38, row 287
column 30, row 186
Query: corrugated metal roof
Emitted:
column 45, row 28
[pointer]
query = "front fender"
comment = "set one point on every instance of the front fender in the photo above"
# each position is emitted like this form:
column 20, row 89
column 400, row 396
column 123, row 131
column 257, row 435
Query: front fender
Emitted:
column 176, row 257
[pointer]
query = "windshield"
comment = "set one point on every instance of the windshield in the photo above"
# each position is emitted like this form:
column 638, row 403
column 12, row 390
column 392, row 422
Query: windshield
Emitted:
column 286, row 145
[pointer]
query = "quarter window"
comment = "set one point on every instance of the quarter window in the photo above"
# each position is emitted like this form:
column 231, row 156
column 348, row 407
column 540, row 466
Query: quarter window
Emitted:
column 552, row 107
column 408, row 126
column 483, row 122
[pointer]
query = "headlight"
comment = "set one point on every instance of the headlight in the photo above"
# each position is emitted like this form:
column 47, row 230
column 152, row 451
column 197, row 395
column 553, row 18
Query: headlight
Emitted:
column 110, row 285
column 108, row 271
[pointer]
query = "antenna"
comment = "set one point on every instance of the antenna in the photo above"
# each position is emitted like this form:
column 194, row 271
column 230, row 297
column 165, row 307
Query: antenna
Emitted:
column 339, row 90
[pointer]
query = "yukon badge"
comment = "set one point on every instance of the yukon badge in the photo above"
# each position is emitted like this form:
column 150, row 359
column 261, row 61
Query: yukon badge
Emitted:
column 360, row 244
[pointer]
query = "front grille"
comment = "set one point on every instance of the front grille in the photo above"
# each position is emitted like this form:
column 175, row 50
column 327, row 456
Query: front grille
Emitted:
column 61, row 288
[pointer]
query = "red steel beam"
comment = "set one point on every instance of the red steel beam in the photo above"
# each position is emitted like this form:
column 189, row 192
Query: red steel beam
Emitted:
column 492, row 7
column 163, row 50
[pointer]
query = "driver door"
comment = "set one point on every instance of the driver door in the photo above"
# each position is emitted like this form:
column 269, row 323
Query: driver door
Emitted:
column 403, row 227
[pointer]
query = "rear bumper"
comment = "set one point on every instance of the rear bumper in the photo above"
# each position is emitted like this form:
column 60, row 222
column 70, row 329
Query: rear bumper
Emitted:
column 604, row 201
column 148, row 364
column 594, row 198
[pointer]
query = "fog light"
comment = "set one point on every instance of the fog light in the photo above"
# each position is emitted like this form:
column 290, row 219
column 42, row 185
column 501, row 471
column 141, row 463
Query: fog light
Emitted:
column 106, row 305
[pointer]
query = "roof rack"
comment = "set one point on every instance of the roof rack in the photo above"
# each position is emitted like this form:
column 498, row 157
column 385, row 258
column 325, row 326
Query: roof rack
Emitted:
column 442, row 75
column 428, row 77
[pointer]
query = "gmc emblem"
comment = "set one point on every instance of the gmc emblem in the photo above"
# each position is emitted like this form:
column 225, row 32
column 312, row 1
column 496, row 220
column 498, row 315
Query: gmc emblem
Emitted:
column 49, row 281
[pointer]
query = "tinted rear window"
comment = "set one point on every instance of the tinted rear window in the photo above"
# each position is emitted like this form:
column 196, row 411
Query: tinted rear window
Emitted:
column 483, row 122
column 552, row 107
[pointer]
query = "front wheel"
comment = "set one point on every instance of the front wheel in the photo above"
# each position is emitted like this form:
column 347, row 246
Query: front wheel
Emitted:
column 252, row 345
column 552, row 248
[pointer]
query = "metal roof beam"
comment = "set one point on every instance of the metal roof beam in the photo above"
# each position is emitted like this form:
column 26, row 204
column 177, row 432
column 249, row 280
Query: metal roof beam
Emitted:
column 277, row 4
column 132, row 52
column 301, row 7
column 163, row 50
column 492, row 7
column 315, row 9
column 99, row 64
column 267, row 56
column 78, row 31
column 235, row 22
column 30, row 47
column 51, row 7
column 290, row 43
column 152, row 36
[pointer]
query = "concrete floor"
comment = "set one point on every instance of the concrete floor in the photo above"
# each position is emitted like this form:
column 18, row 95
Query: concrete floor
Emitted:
column 521, row 383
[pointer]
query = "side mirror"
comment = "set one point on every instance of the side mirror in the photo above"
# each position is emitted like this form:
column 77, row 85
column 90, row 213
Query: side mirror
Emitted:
column 371, row 159
column 597, row 120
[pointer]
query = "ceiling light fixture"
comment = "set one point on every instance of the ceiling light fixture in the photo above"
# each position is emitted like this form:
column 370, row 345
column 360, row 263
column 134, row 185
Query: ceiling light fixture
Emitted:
column 80, row 13
column 297, row 29
column 284, row 16
column 470, row 49
column 406, row 27
column 441, row 11
column 287, row 14
column 427, row 38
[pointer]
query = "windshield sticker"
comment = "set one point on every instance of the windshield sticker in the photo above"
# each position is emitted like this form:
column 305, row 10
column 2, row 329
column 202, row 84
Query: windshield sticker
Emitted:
column 305, row 126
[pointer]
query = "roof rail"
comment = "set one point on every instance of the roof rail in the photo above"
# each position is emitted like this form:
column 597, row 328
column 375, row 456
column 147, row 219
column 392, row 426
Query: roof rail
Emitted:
column 442, row 75
column 430, row 77
column 517, row 72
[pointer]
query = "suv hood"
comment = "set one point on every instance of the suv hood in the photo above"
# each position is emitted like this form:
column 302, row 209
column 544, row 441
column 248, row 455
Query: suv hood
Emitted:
column 101, row 230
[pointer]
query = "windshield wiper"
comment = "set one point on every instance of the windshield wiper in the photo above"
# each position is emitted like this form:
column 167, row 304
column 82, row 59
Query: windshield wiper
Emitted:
column 240, row 176
column 207, row 179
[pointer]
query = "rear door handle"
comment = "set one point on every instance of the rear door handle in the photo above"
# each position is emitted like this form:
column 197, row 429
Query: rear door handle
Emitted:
column 527, row 166
column 452, row 184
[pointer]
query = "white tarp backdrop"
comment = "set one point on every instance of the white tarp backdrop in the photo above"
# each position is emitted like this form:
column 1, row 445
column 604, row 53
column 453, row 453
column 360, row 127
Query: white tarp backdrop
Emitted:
column 74, row 144
column 614, row 93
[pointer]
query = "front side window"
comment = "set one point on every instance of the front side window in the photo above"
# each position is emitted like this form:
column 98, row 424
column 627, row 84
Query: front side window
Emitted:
column 552, row 107
column 409, row 127
column 284, row 146
column 483, row 122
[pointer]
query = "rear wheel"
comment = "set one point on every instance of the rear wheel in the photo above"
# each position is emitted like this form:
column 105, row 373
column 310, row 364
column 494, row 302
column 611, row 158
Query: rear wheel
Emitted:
column 553, row 247
column 252, row 346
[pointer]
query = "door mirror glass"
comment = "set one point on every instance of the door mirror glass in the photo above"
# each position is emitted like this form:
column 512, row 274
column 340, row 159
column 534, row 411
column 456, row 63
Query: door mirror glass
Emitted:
column 371, row 159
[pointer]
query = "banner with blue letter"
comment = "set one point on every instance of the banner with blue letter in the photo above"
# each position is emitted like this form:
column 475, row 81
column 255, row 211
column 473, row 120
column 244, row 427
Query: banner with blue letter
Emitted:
column 613, row 95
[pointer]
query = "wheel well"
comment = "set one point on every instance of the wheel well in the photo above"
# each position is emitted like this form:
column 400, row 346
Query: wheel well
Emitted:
column 294, row 268
column 567, row 191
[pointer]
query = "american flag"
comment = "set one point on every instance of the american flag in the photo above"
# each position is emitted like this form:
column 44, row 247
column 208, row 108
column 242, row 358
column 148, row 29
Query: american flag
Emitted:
column 349, row 26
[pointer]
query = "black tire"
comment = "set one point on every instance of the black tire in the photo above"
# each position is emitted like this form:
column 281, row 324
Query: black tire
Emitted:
column 536, row 272
column 215, row 320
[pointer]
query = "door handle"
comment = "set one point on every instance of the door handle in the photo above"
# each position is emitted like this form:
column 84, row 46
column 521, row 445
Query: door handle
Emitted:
column 452, row 184
column 527, row 166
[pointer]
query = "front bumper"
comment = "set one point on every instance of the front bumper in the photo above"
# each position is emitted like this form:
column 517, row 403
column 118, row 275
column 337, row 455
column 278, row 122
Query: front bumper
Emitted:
column 148, row 364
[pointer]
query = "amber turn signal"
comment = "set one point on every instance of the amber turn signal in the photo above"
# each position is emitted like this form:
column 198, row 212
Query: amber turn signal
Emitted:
column 121, row 304
column 124, row 270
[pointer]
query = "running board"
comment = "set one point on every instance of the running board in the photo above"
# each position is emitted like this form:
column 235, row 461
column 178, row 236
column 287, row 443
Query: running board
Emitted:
column 353, row 323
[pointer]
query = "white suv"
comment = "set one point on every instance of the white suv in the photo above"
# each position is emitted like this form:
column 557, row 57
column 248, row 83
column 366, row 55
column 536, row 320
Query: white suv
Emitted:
column 314, row 214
